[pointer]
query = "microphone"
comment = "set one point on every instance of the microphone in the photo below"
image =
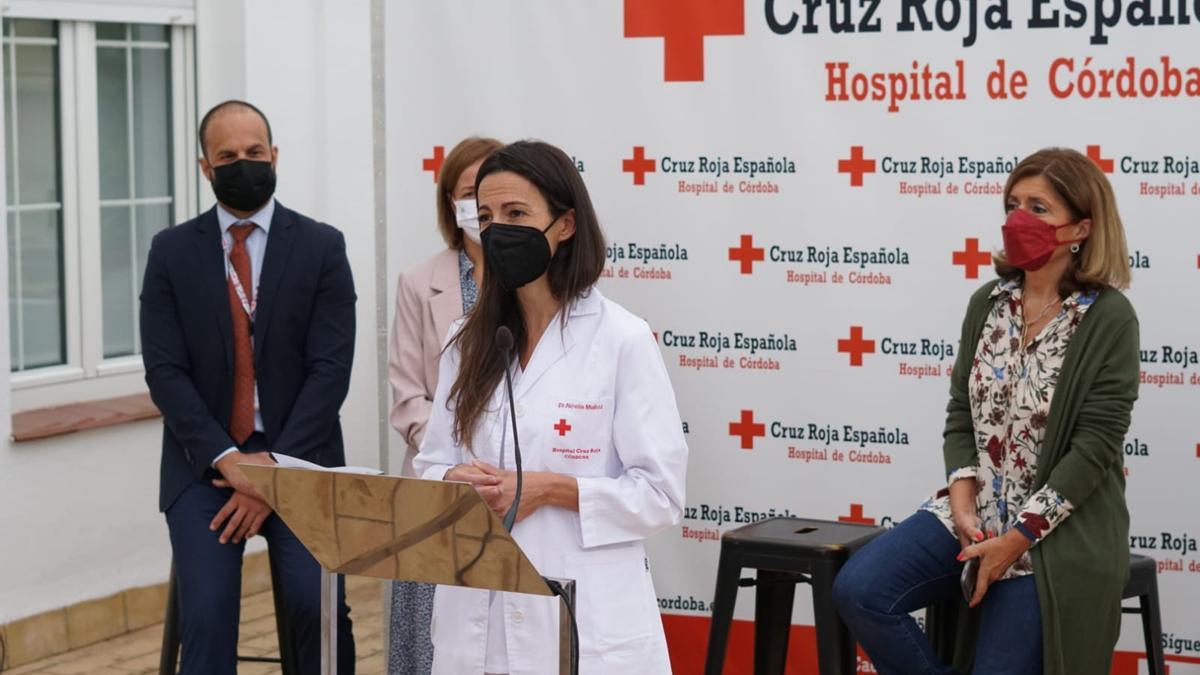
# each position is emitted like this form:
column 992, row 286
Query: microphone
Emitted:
column 504, row 345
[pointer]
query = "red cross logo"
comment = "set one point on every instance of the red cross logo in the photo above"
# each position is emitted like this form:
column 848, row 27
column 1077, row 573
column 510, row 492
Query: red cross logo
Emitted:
column 856, row 166
column 683, row 25
column 856, row 346
column 748, row 429
column 562, row 427
column 434, row 163
column 639, row 165
column 747, row 254
column 971, row 258
column 856, row 516
column 1093, row 153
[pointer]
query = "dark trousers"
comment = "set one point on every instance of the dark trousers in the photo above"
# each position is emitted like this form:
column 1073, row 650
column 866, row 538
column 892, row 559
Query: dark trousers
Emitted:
column 209, row 575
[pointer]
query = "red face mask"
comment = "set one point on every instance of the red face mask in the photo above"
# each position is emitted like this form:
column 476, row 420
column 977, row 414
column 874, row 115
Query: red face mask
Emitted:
column 1029, row 241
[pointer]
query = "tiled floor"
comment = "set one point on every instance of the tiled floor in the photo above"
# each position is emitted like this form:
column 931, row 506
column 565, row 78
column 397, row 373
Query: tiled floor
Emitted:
column 138, row 652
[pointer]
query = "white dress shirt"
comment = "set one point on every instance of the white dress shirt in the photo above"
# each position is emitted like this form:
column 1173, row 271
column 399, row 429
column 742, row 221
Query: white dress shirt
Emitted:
column 256, row 248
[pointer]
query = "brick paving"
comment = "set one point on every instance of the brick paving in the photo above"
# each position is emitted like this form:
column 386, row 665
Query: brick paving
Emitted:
column 138, row 652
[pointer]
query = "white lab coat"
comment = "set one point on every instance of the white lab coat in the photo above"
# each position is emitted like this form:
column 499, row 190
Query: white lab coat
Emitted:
column 603, row 375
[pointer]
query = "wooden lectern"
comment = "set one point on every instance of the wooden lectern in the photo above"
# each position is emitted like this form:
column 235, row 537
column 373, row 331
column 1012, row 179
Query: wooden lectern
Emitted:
column 407, row 529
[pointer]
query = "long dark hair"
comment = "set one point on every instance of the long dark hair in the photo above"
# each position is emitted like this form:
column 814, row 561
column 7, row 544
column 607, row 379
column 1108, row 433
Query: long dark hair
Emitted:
column 575, row 268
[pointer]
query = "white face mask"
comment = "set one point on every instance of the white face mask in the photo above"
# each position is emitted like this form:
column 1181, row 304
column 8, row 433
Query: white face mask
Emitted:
column 467, row 215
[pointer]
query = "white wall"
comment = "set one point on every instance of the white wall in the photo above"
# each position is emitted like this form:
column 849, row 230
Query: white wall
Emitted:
column 79, row 512
column 308, row 66
column 80, row 517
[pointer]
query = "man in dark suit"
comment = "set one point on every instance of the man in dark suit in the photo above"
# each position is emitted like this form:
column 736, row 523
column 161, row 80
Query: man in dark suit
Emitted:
column 247, row 322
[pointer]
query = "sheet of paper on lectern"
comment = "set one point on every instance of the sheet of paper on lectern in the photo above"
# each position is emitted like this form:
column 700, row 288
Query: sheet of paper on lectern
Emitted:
column 287, row 461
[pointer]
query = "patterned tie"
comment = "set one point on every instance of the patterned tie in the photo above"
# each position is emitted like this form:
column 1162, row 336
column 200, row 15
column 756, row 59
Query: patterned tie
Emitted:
column 241, row 417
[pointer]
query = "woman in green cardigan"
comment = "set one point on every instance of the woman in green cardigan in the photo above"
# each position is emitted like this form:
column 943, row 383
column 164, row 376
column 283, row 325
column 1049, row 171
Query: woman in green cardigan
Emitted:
column 1039, row 407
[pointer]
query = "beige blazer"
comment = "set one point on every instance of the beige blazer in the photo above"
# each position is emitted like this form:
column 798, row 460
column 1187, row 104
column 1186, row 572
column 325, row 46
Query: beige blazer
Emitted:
column 428, row 300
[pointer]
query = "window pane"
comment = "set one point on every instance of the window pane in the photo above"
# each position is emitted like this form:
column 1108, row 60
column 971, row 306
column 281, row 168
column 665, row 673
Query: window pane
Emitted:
column 113, row 102
column 36, row 121
column 35, row 276
column 136, row 167
column 41, row 288
column 10, row 170
column 116, row 259
column 146, row 32
column 110, row 31
column 14, row 325
column 32, row 28
column 152, row 122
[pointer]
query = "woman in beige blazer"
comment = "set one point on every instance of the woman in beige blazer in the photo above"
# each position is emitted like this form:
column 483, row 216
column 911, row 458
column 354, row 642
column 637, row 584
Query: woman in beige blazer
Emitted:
column 429, row 297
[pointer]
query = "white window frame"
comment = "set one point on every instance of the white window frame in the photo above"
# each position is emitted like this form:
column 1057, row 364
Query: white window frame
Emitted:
column 87, row 375
column 65, row 166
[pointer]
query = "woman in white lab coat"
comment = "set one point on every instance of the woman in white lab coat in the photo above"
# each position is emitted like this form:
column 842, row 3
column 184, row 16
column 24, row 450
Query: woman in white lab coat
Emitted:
column 601, row 439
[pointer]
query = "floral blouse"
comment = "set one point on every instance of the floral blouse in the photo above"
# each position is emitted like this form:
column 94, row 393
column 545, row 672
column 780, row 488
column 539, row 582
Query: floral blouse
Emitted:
column 1010, row 392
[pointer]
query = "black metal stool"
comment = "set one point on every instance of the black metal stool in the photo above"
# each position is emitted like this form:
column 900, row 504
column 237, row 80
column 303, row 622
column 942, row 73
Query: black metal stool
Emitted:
column 169, row 659
column 786, row 551
column 1143, row 585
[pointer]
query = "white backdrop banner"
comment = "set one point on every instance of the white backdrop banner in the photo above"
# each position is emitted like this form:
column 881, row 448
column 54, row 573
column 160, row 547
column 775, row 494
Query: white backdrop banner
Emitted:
column 799, row 197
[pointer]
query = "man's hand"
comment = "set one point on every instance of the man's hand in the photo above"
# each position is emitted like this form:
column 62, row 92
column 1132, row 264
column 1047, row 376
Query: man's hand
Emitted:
column 234, row 477
column 242, row 517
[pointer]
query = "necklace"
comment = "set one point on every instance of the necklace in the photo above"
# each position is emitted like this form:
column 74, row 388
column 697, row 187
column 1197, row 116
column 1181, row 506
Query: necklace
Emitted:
column 1026, row 324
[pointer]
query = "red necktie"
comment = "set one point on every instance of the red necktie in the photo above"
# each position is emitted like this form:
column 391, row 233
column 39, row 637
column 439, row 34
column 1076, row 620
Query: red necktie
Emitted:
column 241, row 417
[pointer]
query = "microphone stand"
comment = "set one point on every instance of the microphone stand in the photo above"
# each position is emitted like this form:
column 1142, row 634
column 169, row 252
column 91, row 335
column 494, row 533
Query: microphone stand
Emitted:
column 504, row 344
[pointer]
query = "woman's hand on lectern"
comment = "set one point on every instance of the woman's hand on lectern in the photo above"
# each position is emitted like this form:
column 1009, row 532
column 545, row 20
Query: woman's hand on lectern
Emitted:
column 541, row 488
column 486, row 484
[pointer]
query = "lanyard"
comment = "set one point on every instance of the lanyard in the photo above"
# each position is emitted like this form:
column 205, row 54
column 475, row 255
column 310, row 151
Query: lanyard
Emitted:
column 249, row 303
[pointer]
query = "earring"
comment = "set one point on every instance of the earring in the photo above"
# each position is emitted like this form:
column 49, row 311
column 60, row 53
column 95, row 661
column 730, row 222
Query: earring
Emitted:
column 1074, row 248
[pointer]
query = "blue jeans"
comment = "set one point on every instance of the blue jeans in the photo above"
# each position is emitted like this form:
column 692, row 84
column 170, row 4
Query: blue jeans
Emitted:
column 912, row 566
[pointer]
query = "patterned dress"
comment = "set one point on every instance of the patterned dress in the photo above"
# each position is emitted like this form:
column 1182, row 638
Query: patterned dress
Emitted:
column 1010, row 391
column 410, row 650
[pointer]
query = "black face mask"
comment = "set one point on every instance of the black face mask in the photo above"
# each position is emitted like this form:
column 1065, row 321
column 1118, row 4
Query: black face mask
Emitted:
column 244, row 185
column 516, row 254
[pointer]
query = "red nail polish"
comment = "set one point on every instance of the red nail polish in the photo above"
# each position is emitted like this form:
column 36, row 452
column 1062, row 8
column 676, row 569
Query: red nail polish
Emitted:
column 978, row 536
column 960, row 557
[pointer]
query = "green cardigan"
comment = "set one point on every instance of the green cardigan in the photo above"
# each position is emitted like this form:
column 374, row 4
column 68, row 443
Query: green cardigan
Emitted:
column 1082, row 566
